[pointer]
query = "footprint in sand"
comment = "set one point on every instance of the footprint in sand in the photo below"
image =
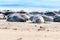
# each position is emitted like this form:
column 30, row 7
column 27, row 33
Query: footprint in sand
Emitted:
column 41, row 28
column 19, row 39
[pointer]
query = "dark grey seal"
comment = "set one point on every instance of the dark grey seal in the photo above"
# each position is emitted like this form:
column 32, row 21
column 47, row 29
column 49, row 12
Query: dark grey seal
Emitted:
column 16, row 17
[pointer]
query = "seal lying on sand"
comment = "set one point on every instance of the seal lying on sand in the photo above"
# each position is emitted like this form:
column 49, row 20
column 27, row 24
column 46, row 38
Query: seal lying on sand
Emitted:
column 6, row 12
column 48, row 18
column 25, row 16
column 50, row 14
column 37, row 19
column 57, row 19
column 16, row 17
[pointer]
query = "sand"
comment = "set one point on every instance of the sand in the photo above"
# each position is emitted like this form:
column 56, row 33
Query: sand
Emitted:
column 29, row 31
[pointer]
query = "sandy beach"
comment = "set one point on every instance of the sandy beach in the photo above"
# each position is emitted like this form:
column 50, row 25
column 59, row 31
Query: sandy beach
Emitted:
column 29, row 20
column 29, row 31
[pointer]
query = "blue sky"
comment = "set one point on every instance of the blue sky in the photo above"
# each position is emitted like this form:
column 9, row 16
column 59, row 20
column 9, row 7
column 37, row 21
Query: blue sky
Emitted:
column 31, row 3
